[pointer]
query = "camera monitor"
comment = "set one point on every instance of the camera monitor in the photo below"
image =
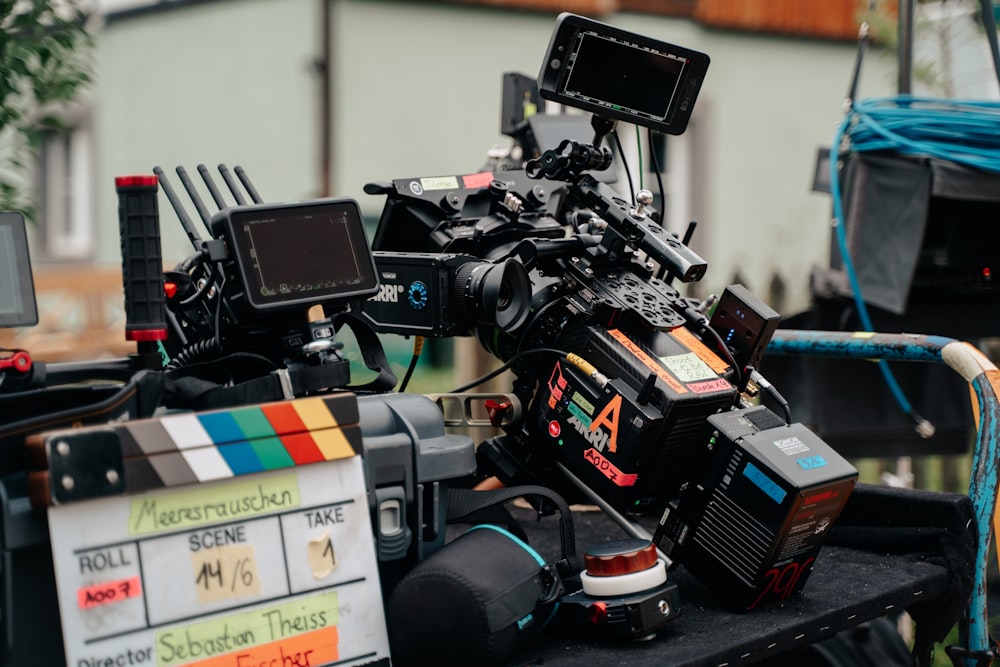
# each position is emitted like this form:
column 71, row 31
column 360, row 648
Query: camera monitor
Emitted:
column 299, row 254
column 621, row 75
column 17, row 289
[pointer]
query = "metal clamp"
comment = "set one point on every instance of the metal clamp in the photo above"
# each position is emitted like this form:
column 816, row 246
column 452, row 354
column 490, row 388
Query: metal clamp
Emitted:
column 960, row 656
column 501, row 409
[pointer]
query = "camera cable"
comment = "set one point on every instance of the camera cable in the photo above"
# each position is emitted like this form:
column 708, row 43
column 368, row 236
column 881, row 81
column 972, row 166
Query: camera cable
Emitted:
column 965, row 132
column 773, row 392
column 506, row 365
column 418, row 347
column 628, row 172
column 656, row 170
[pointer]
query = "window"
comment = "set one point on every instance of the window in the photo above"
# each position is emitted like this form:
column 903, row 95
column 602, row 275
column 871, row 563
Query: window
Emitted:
column 66, row 194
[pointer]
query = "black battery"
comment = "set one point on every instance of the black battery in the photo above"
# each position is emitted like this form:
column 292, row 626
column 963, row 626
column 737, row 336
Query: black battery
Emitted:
column 752, row 528
column 633, row 446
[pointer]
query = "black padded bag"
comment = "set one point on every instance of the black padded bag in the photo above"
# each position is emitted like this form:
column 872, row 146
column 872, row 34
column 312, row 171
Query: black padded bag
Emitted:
column 100, row 396
column 480, row 597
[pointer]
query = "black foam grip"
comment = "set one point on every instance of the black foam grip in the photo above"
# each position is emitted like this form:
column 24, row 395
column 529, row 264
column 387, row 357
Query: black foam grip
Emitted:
column 142, row 263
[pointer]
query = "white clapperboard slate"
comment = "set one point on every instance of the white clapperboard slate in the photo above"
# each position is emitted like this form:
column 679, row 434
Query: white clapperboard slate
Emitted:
column 248, row 543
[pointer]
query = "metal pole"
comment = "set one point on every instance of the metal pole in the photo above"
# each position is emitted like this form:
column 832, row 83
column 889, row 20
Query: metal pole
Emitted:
column 990, row 25
column 905, row 47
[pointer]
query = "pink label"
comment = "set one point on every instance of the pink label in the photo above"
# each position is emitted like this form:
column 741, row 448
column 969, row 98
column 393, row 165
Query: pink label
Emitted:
column 608, row 469
column 710, row 386
column 480, row 180
column 108, row 592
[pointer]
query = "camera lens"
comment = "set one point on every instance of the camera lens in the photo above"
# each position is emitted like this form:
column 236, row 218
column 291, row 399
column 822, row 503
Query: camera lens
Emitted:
column 493, row 294
column 503, row 298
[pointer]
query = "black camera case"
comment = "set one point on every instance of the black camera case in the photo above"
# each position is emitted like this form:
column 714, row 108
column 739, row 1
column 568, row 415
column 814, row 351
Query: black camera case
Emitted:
column 483, row 595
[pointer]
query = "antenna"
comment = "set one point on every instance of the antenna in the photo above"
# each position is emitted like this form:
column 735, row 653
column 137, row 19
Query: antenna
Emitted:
column 195, row 197
column 212, row 189
column 233, row 186
column 245, row 180
column 182, row 215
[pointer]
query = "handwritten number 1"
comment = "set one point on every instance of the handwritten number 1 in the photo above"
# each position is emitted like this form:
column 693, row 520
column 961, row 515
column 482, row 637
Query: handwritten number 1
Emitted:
column 328, row 551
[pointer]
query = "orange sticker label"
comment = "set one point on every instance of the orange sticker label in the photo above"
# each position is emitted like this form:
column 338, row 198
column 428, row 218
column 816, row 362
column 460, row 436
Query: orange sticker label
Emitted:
column 108, row 592
column 649, row 362
column 687, row 339
column 609, row 417
column 318, row 647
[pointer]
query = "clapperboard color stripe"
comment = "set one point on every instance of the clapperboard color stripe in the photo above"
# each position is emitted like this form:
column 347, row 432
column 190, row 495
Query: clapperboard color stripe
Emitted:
column 188, row 448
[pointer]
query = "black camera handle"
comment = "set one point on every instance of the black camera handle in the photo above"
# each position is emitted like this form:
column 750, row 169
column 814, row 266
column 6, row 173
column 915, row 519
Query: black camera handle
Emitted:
column 570, row 162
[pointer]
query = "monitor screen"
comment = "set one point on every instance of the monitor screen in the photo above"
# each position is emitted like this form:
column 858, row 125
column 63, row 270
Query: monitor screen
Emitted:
column 621, row 75
column 624, row 76
column 302, row 253
column 17, row 289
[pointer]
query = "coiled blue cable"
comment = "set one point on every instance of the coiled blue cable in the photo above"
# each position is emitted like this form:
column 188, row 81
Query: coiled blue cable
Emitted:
column 962, row 131
column 966, row 132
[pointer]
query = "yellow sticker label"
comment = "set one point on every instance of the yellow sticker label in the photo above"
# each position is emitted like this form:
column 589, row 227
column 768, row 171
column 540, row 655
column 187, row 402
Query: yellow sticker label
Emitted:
column 650, row 363
column 688, row 367
column 321, row 555
column 204, row 504
column 440, row 183
column 582, row 401
column 687, row 339
column 198, row 641
column 225, row 572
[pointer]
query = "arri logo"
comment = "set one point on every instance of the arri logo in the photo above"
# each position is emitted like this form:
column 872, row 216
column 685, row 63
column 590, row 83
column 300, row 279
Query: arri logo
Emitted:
column 595, row 435
column 387, row 293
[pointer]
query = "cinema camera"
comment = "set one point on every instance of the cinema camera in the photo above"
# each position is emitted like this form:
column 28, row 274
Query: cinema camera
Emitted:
column 570, row 284
column 631, row 395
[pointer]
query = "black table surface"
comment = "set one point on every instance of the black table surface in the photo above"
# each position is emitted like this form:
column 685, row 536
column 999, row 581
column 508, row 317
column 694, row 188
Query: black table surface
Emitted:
column 847, row 587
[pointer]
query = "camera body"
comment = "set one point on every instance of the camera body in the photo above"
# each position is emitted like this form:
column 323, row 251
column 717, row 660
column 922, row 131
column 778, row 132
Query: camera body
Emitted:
column 443, row 294
column 565, row 258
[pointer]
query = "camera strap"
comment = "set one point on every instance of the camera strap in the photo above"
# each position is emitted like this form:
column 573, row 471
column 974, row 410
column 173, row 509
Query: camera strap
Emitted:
column 246, row 379
column 371, row 352
column 243, row 378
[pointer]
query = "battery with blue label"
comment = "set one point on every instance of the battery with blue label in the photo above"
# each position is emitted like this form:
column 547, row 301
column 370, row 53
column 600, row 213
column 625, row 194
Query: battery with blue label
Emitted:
column 753, row 526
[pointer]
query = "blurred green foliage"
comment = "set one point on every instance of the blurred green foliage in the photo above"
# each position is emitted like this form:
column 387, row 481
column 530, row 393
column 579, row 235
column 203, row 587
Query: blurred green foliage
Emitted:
column 45, row 63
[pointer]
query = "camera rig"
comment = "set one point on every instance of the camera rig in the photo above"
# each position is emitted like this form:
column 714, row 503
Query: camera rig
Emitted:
column 587, row 282
column 621, row 374
column 630, row 394
column 576, row 274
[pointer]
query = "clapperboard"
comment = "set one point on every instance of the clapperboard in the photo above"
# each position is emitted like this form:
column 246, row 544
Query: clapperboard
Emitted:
column 233, row 537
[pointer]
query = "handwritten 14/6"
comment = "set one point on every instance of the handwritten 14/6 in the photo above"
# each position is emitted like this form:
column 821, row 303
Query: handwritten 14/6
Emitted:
column 213, row 574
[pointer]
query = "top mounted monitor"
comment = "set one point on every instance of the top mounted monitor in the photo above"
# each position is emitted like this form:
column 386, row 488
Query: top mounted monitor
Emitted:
column 621, row 75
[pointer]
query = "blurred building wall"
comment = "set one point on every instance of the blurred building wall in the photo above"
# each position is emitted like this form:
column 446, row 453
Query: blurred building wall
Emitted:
column 416, row 92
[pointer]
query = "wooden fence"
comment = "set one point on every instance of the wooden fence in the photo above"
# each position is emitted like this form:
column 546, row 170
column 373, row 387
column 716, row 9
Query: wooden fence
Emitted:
column 81, row 316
